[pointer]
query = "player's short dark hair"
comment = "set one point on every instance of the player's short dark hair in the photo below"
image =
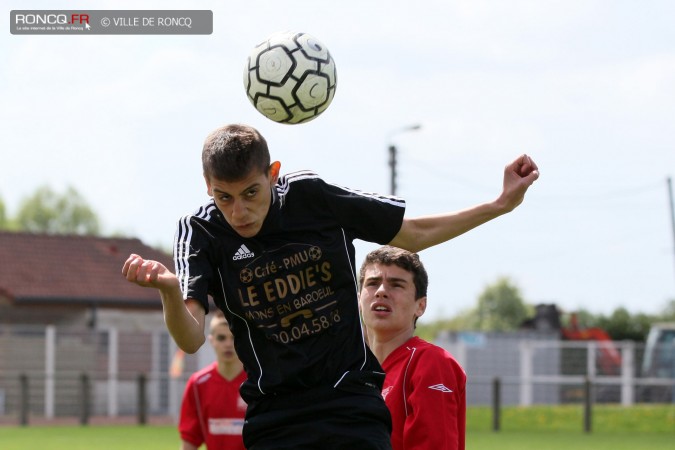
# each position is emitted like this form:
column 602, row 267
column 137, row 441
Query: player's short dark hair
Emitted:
column 231, row 152
column 408, row 261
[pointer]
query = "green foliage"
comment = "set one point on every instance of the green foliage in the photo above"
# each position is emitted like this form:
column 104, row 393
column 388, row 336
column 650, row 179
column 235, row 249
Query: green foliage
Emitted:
column 48, row 212
column 620, row 325
column 501, row 307
column 668, row 313
column 429, row 331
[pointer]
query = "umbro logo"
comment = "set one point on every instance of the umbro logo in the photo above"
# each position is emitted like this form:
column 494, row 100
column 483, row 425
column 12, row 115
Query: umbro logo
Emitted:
column 440, row 387
column 243, row 253
column 386, row 391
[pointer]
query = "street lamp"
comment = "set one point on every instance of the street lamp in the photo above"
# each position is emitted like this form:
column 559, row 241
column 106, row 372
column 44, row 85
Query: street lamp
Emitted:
column 392, row 155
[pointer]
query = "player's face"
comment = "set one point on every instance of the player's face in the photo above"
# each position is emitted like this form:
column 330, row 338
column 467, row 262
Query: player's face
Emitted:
column 387, row 300
column 245, row 203
column 222, row 342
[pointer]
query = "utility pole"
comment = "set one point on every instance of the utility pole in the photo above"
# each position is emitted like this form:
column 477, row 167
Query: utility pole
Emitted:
column 392, row 169
column 393, row 161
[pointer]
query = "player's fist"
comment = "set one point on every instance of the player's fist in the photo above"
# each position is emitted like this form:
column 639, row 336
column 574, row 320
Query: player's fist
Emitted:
column 518, row 177
column 147, row 272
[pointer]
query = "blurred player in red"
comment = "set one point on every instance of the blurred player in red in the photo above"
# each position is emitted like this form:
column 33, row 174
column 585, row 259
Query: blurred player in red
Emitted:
column 212, row 411
column 424, row 387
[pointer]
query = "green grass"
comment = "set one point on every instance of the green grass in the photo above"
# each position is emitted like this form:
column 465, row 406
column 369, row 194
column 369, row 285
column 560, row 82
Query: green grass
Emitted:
column 568, row 440
column 569, row 418
column 536, row 428
column 89, row 438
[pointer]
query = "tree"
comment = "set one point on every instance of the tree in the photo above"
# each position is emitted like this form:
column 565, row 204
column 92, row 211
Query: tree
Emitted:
column 621, row 325
column 49, row 212
column 501, row 307
column 668, row 312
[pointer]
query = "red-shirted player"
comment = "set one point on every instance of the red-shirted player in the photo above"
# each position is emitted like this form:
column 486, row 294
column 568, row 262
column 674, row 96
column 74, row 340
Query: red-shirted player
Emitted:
column 212, row 411
column 424, row 387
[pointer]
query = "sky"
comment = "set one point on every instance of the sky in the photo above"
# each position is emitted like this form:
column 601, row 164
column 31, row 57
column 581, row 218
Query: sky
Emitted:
column 585, row 87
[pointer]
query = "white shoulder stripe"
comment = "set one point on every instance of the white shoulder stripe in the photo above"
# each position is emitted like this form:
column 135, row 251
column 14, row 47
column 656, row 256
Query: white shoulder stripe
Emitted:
column 181, row 244
column 396, row 201
column 286, row 180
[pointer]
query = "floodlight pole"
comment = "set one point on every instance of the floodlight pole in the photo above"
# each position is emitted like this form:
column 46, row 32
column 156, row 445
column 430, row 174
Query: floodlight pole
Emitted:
column 393, row 162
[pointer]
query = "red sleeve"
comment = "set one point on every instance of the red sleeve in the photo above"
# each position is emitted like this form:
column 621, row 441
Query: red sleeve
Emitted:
column 188, row 426
column 436, row 402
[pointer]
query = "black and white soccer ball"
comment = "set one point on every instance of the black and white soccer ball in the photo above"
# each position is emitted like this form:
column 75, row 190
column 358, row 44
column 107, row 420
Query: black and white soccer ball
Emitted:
column 290, row 77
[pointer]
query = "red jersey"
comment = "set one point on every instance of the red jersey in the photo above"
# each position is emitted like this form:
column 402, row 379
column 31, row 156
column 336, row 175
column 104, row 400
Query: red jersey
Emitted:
column 212, row 410
column 425, row 390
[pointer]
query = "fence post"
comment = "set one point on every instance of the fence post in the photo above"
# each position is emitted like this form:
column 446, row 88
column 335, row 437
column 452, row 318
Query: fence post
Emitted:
column 588, row 401
column 525, row 373
column 50, row 370
column 591, row 359
column 84, row 399
column 24, row 405
column 627, row 371
column 142, row 400
column 496, row 404
column 113, row 369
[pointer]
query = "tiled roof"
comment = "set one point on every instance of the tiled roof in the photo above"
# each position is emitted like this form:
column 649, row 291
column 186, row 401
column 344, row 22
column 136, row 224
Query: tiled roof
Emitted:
column 37, row 268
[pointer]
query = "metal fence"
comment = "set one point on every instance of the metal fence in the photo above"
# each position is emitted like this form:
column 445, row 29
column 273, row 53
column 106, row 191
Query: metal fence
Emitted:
column 48, row 373
column 539, row 368
column 52, row 373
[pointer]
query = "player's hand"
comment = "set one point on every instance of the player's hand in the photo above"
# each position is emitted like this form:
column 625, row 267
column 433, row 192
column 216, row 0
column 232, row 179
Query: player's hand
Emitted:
column 518, row 177
column 148, row 273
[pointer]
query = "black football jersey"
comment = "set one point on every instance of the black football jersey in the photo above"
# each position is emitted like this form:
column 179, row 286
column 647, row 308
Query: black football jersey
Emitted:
column 290, row 292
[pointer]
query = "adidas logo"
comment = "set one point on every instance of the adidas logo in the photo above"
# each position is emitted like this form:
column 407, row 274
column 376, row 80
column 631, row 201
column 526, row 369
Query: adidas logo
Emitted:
column 243, row 253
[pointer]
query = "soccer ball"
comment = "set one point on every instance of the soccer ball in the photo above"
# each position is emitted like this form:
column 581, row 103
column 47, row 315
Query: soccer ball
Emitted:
column 290, row 77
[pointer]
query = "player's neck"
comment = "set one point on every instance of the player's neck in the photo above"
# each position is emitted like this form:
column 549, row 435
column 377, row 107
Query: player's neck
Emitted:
column 230, row 369
column 382, row 344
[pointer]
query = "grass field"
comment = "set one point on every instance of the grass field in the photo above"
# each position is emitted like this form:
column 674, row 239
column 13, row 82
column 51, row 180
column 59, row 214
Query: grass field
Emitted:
column 540, row 428
column 561, row 428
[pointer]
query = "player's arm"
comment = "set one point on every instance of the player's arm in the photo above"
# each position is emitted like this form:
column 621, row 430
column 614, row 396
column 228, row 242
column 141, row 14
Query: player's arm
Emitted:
column 437, row 406
column 184, row 319
column 185, row 445
column 419, row 233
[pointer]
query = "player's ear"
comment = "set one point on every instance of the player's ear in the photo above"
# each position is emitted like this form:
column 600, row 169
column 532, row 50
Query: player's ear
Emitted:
column 275, row 167
column 421, row 306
